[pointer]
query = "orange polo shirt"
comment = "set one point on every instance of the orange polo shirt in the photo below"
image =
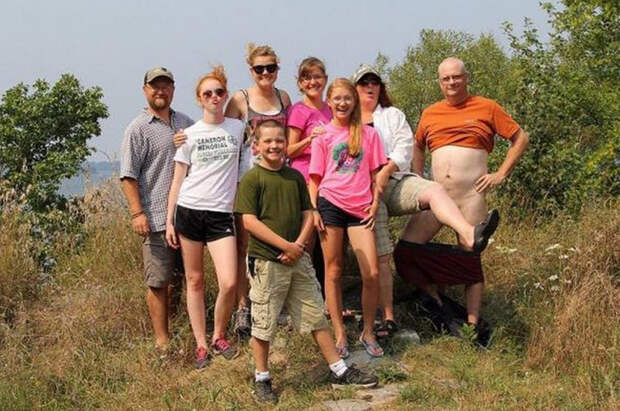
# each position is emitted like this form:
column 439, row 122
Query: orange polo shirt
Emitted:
column 473, row 123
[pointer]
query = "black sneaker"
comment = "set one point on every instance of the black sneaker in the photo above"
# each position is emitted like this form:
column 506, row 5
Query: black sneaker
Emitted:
column 263, row 392
column 451, row 321
column 484, row 231
column 354, row 377
column 243, row 323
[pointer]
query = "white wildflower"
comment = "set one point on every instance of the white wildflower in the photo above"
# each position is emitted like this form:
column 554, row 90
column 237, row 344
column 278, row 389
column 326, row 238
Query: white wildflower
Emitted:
column 505, row 250
column 555, row 288
column 554, row 277
column 553, row 247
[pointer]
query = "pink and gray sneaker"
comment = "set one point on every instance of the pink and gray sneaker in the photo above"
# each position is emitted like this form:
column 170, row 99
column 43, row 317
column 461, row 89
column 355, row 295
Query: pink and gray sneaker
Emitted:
column 222, row 346
column 202, row 358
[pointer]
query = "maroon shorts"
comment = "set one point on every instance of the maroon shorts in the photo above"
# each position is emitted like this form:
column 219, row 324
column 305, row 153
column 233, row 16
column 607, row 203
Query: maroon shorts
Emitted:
column 425, row 264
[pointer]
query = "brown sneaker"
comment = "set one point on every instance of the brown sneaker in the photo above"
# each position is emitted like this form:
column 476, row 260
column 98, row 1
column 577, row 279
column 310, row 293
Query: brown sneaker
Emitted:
column 263, row 392
column 354, row 377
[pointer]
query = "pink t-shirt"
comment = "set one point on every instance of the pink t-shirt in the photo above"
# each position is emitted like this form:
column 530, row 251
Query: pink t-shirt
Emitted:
column 346, row 181
column 306, row 119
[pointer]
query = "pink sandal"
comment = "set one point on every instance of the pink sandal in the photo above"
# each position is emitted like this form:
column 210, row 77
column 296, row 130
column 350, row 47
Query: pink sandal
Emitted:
column 373, row 349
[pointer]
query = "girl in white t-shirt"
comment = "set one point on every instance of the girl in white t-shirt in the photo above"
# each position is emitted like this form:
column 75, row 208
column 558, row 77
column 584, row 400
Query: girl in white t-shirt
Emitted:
column 200, row 206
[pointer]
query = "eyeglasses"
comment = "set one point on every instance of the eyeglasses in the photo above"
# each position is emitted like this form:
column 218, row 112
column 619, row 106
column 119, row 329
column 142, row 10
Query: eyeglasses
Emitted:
column 343, row 99
column 369, row 81
column 316, row 77
column 456, row 77
column 271, row 68
column 220, row 92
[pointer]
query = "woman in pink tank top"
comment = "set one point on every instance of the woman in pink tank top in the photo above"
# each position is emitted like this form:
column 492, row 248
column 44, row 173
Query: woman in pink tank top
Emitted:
column 253, row 105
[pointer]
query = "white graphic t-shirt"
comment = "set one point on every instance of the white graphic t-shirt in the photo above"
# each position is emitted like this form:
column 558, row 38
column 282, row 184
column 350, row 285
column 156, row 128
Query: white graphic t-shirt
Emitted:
column 212, row 153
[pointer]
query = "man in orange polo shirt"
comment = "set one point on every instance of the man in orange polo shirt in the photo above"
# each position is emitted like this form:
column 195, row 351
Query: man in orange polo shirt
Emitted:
column 459, row 132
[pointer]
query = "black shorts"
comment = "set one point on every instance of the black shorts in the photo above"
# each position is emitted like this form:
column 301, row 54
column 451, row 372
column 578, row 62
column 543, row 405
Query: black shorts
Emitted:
column 203, row 225
column 335, row 216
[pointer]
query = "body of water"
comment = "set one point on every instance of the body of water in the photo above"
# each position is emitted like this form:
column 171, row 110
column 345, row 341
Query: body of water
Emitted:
column 94, row 172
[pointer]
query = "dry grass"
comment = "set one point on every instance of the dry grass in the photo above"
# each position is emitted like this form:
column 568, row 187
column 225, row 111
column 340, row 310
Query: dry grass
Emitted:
column 18, row 271
column 84, row 340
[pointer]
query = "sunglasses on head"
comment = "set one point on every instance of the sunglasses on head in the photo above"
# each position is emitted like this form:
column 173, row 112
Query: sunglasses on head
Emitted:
column 209, row 93
column 372, row 81
column 271, row 68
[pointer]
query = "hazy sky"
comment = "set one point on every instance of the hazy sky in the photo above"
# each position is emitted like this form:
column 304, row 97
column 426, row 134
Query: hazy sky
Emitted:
column 112, row 43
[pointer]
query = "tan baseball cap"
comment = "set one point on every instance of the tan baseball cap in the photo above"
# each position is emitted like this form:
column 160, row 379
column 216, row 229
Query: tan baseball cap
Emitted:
column 362, row 70
column 153, row 73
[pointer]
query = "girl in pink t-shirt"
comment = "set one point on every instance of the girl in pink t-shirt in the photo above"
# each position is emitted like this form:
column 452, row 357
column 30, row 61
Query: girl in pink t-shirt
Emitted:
column 305, row 120
column 307, row 117
column 343, row 163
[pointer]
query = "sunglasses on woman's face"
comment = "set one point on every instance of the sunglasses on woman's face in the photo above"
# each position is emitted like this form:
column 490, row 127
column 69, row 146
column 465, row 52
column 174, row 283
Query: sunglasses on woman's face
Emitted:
column 209, row 93
column 369, row 81
column 271, row 68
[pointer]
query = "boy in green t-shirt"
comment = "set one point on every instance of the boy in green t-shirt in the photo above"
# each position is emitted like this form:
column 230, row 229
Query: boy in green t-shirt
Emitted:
column 275, row 205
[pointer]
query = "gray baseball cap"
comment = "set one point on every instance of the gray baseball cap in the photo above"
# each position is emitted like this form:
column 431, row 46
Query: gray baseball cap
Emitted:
column 153, row 73
column 362, row 70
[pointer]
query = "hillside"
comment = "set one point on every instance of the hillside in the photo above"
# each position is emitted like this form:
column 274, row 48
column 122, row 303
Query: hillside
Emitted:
column 79, row 337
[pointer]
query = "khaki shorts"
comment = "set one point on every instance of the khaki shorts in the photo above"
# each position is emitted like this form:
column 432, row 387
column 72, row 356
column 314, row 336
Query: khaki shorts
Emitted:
column 161, row 263
column 400, row 197
column 276, row 285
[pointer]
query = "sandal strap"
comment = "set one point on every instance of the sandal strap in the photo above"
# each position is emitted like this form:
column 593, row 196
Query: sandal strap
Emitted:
column 373, row 349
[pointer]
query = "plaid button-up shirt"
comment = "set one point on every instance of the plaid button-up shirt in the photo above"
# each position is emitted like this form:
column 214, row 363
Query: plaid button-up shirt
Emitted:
column 147, row 156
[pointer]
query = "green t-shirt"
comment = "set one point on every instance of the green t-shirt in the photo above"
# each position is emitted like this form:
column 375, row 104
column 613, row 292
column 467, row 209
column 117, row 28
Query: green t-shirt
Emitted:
column 277, row 198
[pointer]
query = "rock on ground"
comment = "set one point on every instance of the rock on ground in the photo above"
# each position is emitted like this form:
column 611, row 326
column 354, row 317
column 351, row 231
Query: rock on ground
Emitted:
column 346, row 405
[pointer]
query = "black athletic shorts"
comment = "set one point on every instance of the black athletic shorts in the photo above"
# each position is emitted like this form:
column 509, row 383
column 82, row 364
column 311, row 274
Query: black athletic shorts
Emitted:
column 203, row 225
column 335, row 216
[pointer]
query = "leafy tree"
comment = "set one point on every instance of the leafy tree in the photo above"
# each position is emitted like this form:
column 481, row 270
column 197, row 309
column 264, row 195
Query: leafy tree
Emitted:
column 413, row 84
column 43, row 136
column 566, row 96
column 563, row 92
column 588, row 32
column 586, row 38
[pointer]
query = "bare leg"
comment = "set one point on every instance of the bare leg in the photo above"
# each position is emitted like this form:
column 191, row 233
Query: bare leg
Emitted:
column 223, row 253
column 243, row 284
column 363, row 243
column 421, row 228
column 386, row 288
column 473, row 295
column 447, row 212
column 193, row 259
column 324, row 340
column 331, row 243
column 260, row 351
column 157, row 302
column 474, row 209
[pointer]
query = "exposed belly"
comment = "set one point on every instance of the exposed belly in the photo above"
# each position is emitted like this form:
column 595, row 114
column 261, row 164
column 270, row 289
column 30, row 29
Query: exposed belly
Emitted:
column 458, row 168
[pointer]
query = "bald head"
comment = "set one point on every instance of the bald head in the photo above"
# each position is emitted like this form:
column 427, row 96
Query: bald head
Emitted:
column 453, row 80
column 451, row 63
